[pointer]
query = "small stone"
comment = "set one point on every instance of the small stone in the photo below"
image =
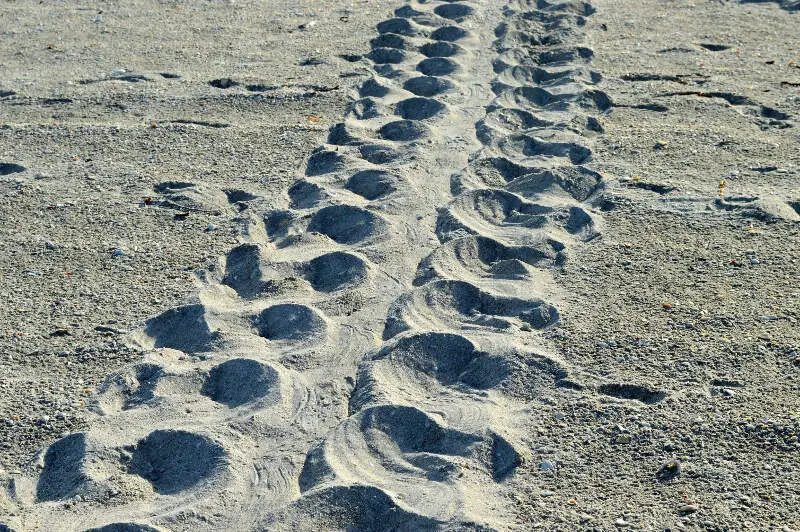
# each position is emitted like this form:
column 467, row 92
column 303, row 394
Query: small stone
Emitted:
column 621, row 522
column 688, row 509
column 546, row 466
column 547, row 493
column 669, row 470
column 623, row 439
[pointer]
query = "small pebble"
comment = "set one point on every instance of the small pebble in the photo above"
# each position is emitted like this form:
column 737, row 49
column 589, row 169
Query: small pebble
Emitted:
column 687, row 509
column 669, row 470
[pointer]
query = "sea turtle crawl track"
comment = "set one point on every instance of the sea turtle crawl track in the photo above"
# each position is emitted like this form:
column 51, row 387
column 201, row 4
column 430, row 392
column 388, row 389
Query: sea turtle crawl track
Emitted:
column 459, row 178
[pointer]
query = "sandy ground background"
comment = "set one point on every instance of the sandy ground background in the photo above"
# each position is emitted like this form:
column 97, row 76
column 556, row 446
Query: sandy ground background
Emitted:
column 685, row 293
column 91, row 157
column 728, row 343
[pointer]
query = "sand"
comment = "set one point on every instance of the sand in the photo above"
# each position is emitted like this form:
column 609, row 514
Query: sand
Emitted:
column 409, row 266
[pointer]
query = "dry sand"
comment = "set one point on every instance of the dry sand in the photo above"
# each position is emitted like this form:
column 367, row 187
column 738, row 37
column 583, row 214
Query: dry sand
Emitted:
column 399, row 266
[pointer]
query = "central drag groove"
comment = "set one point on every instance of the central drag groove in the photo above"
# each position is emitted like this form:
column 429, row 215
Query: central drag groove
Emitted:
column 520, row 202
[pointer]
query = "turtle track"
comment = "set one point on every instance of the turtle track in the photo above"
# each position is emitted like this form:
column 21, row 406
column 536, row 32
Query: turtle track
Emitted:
column 459, row 178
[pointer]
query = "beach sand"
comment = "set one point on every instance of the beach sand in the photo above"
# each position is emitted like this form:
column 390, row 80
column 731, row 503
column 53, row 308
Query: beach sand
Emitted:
column 385, row 265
